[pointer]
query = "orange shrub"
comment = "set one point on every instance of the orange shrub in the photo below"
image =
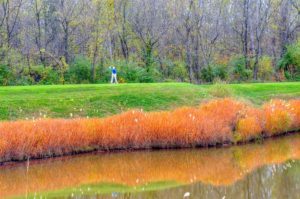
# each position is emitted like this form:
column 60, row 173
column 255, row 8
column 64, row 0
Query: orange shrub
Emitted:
column 277, row 117
column 250, row 124
column 294, row 109
column 209, row 124
column 248, row 128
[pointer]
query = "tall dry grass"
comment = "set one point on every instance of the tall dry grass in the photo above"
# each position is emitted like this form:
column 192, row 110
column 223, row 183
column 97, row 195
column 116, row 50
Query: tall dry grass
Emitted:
column 217, row 121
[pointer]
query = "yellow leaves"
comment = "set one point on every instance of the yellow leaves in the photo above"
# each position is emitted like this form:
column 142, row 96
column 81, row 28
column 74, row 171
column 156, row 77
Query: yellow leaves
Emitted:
column 111, row 4
column 265, row 69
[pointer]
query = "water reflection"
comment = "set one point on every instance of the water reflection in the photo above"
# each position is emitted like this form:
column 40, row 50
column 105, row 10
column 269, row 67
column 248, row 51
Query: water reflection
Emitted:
column 249, row 171
column 276, row 182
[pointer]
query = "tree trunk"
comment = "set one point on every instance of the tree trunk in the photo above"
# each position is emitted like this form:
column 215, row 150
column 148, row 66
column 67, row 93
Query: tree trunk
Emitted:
column 66, row 42
column 38, row 38
column 124, row 47
column 283, row 26
column 188, row 58
column 93, row 68
column 8, row 33
column 196, row 65
column 255, row 67
column 123, row 36
column 245, row 35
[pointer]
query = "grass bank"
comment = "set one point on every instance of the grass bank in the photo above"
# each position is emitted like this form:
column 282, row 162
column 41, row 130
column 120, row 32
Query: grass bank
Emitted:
column 69, row 101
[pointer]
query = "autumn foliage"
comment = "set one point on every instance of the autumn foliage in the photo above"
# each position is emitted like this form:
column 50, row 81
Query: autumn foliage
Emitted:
column 215, row 122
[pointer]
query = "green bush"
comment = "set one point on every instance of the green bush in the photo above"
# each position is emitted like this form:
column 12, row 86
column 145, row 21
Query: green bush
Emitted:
column 154, row 75
column 169, row 70
column 238, row 69
column 103, row 75
column 79, row 71
column 290, row 62
column 52, row 77
column 131, row 72
column 214, row 71
column 207, row 74
column 179, row 71
column 24, row 80
column 38, row 74
column 220, row 72
column 6, row 75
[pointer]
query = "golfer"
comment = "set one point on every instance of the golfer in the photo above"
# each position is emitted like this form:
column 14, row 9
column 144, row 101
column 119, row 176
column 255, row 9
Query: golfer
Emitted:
column 113, row 75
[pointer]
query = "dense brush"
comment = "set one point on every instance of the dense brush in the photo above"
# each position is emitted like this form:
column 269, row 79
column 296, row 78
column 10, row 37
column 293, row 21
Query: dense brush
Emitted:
column 218, row 121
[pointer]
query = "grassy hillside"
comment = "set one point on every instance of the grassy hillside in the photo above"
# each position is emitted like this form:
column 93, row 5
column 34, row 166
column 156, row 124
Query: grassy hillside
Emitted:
column 101, row 100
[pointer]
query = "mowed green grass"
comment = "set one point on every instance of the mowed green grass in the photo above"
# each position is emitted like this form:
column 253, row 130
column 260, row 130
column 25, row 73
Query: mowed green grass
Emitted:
column 67, row 101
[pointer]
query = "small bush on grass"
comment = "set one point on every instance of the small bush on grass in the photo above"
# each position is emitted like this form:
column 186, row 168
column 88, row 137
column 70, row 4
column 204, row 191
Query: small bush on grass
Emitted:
column 290, row 62
column 6, row 75
column 239, row 72
column 79, row 71
column 39, row 75
column 220, row 90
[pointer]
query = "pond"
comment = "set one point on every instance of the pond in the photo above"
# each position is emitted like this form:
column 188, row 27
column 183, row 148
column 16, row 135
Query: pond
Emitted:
column 270, row 169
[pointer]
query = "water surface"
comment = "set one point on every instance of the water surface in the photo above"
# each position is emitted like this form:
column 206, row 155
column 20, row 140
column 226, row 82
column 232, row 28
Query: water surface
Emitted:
column 267, row 170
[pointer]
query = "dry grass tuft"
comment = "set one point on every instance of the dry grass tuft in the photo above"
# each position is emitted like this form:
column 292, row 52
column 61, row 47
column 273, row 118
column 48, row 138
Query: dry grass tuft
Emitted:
column 278, row 117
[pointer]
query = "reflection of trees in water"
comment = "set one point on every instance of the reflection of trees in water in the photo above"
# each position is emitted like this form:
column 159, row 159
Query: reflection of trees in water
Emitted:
column 288, row 185
column 276, row 182
column 217, row 169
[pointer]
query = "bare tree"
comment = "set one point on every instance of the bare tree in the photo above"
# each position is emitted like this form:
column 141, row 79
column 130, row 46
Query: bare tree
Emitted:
column 185, row 29
column 68, row 15
column 11, row 11
column 262, row 16
column 150, row 23
column 122, row 22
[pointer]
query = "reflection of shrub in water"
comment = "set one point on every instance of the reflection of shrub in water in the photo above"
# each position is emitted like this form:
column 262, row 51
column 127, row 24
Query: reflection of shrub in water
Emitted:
column 218, row 167
column 270, row 152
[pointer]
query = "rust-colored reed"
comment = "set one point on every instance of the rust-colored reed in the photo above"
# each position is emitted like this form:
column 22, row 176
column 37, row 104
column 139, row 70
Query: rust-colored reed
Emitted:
column 217, row 121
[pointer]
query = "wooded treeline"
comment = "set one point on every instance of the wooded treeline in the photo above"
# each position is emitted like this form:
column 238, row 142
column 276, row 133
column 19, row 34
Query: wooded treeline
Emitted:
column 73, row 41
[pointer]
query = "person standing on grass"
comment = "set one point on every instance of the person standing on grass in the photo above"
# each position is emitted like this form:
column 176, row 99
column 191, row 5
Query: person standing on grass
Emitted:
column 113, row 75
